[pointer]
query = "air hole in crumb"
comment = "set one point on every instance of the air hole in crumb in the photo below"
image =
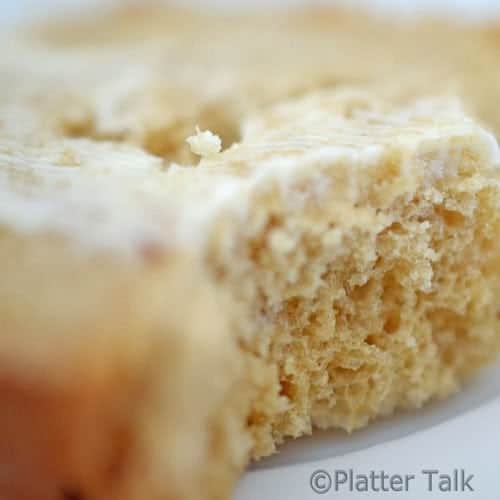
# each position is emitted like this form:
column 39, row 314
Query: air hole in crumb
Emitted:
column 361, row 293
column 391, row 323
column 395, row 227
column 292, row 307
column 287, row 389
column 452, row 218
column 256, row 418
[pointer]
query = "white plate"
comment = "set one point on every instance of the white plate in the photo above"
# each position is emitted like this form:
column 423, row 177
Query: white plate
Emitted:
column 459, row 433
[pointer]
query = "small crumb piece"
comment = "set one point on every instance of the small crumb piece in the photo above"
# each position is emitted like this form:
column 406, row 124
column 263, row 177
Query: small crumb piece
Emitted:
column 204, row 143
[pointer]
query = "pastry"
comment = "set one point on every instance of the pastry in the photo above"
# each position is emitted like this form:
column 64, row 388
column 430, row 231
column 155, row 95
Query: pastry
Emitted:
column 163, row 323
column 208, row 248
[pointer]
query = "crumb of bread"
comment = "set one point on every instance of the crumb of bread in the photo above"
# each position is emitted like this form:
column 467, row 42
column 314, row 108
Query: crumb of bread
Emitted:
column 204, row 143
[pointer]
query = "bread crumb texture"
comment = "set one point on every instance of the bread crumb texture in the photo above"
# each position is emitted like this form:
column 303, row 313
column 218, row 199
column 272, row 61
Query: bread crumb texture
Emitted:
column 322, row 252
column 204, row 143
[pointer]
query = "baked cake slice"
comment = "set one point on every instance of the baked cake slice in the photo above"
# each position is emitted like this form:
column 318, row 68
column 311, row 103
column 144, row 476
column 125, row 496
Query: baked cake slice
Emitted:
column 153, row 73
column 162, row 324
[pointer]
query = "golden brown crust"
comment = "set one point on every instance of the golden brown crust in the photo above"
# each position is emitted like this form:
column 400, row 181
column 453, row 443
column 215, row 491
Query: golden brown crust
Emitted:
column 96, row 387
column 63, row 444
